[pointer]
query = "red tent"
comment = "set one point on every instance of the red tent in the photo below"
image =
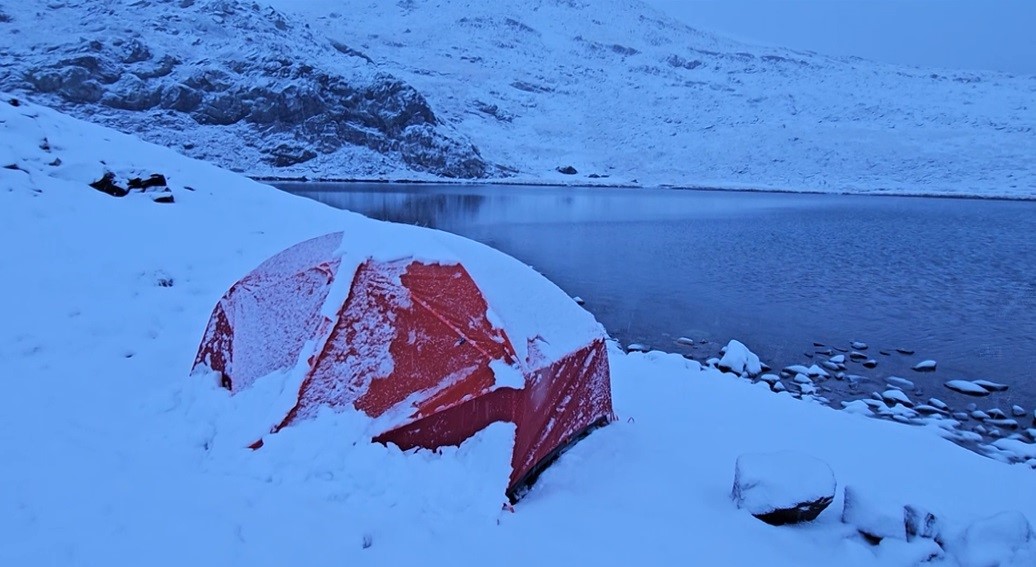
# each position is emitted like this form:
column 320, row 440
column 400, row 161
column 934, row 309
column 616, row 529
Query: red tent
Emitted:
column 416, row 342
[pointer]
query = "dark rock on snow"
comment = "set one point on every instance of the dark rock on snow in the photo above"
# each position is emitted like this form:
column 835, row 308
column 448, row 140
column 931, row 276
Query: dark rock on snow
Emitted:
column 783, row 488
column 567, row 170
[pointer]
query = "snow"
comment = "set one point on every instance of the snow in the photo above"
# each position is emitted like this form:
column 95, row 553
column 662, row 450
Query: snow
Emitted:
column 110, row 451
column 616, row 88
column 873, row 515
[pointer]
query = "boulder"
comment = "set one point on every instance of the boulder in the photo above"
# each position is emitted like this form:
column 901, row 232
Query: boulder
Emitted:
column 737, row 359
column 567, row 170
column 783, row 488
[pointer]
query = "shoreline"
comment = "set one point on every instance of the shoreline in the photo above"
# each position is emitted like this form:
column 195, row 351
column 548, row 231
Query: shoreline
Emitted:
column 688, row 187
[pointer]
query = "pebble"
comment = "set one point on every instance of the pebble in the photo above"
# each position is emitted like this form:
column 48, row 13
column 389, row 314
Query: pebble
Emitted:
column 840, row 349
column 980, row 415
column 904, row 351
column 897, row 396
column 991, row 386
column 938, row 403
column 901, row 382
column 579, row 300
column 885, row 353
column 966, row 387
column 816, row 344
column 831, row 366
column 825, row 352
column 1017, row 411
column 960, row 416
column 996, row 413
column 807, row 354
column 925, row 366
column 802, row 379
column 838, row 359
column 1003, row 423
column 685, row 341
column 858, row 345
column 770, row 378
column 929, row 410
column 980, row 430
column 816, row 371
column 870, row 363
column 638, row 347
column 855, row 355
column 795, row 369
column 778, row 387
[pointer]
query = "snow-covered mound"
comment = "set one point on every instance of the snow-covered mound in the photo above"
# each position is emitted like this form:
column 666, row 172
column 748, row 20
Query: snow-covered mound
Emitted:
column 612, row 87
column 110, row 454
column 230, row 82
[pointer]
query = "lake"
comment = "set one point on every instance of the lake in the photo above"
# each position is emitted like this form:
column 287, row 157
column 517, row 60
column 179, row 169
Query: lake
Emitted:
column 952, row 279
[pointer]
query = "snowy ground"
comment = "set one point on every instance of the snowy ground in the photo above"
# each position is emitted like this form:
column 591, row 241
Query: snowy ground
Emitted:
column 110, row 455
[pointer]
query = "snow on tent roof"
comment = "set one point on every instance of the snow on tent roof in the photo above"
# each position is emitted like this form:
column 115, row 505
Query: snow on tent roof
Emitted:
column 431, row 335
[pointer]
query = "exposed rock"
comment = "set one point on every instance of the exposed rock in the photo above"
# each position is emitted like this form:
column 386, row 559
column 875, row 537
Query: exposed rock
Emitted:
column 859, row 345
column 783, row 488
column 904, row 351
column 1003, row 423
column 938, row 403
column 1017, row 411
column 896, row 396
column 106, row 184
column 838, row 359
column 870, row 363
column 567, row 170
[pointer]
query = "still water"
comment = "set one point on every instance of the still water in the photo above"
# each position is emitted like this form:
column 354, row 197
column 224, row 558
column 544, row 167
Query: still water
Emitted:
column 952, row 279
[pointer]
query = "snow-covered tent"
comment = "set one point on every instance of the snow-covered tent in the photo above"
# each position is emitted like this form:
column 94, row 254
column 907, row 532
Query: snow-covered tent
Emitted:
column 431, row 335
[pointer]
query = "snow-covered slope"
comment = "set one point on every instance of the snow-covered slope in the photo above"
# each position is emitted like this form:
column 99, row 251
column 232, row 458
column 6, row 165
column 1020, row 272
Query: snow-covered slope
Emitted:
column 612, row 87
column 230, row 82
column 111, row 455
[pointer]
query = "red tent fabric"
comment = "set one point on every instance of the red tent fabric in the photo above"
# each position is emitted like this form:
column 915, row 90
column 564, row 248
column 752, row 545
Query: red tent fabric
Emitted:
column 413, row 341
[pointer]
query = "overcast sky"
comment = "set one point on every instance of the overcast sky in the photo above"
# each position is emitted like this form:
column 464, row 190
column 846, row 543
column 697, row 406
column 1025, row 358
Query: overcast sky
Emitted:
column 962, row 34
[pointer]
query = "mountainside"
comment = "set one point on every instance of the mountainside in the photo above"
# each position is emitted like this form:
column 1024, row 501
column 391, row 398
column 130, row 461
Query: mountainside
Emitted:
column 609, row 91
column 230, row 82
column 612, row 87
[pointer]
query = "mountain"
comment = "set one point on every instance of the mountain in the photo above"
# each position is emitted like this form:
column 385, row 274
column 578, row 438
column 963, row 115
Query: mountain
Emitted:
column 230, row 82
column 609, row 92
column 613, row 87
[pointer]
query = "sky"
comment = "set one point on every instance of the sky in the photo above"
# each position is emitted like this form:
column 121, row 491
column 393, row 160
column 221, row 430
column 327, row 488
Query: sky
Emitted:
column 955, row 34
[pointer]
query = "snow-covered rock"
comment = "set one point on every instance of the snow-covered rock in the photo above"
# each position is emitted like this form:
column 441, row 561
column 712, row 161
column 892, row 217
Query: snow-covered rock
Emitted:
column 784, row 487
column 900, row 382
column 967, row 387
column 991, row 386
column 1017, row 411
column 872, row 515
column 893, row 396
column 1006, row 539
column 925, row 366
column 737, row 359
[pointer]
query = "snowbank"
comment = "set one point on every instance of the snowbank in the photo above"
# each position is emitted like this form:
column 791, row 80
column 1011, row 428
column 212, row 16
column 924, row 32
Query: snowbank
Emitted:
column 109, row 455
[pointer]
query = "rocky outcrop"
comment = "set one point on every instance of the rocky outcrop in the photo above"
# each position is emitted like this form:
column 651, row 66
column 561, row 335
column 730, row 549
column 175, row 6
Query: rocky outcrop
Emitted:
column 255, row 82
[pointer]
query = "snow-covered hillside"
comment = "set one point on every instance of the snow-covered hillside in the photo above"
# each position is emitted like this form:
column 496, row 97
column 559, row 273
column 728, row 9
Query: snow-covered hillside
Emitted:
column 612, row 87
column 513, row 90
column 112, row 455
column 230, row 82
